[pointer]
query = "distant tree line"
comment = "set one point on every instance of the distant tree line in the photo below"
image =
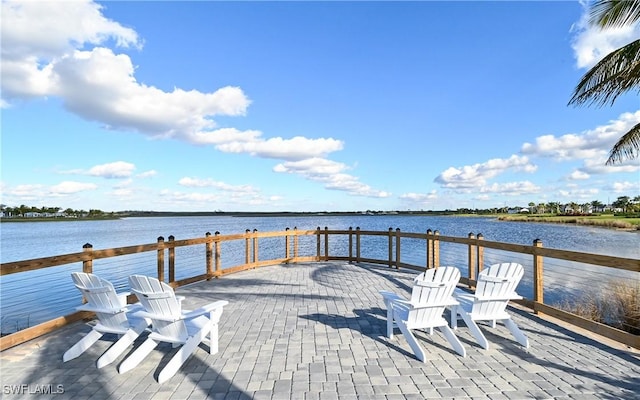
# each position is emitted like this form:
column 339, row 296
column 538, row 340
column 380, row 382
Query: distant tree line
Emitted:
column 24, row 211
column 622, row 205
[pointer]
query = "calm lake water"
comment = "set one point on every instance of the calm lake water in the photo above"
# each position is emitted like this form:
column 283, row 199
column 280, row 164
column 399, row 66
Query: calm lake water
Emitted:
column 23, row 304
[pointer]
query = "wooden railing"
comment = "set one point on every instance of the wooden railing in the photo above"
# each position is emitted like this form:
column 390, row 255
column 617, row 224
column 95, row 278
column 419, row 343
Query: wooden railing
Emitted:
column 473, row 247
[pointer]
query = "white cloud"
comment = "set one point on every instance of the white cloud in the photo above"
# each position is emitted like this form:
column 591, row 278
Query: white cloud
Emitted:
column 590, row 44
column 626, row 187
column 70, row 187
column 204, row 183
column 512, row 188
column 61, row 49
column 114, row 170
column 148, row 174
column 476, row 176
column 591, row 144
column 296, row 148
column 420, row 197
column 578, row 176
column 578, row 194
column 331, row 174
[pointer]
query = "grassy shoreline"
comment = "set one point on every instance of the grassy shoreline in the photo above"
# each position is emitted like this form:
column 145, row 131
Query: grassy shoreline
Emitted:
column 600, row 221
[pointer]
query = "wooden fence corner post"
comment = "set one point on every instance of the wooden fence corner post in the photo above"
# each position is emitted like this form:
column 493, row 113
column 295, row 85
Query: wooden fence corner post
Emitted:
column 436, row 249
column 247, row 246
column 295, row 244
column 397, row 248
column 216, row 253
column 326, row 243
column 429, row 252
column 480, row 253
column 390, row 258
column 286, row 245
column 350, row 245
column 161, row 259
column 471, row 260
column 208, row 251
column 87, row 265
column 255, row 247
column 357, row 244
column 538, row 283
column 318, row 243
column 172, row 260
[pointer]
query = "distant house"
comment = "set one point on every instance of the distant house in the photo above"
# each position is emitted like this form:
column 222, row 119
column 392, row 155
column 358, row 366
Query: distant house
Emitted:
column 32, row 214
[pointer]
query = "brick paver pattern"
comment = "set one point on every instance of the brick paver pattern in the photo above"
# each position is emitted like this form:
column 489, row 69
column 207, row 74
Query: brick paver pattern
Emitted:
column 317, row 331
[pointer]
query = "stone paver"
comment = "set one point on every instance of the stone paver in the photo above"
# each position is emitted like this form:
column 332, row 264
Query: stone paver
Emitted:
column 317, row 331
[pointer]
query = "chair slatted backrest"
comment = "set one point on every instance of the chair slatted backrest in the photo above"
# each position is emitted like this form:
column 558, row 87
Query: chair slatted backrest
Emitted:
column 159, row 299
column 498, row 282
column 434, row 288
column 101, row 295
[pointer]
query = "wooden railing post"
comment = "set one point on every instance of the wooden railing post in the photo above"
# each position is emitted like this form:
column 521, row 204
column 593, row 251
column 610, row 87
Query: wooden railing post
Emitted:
column 172, row 260
column 390, row 258
column 350, row 244
column 436, row 249
column 318, row 240
column 397, row 248
column 472, row 260
column 216, row 254
column 286, row 245
column 161, row 259
column 255, row 246
column 87, row 265
column 357, row 244
column 538, row 283
column 480, row 253
column 295, row 244
column 429, row 263
column 247, row 244
column 326, row 243
column 208, row 251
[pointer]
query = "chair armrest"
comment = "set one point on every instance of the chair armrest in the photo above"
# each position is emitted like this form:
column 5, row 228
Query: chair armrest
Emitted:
column 205, row 309
column 146, row 314
column 512, row 296
column 87, row 307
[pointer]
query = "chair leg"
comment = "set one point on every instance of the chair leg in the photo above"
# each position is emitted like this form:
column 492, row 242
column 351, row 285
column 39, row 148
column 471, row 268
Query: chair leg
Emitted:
column 138, row 355
column 454, row 317
column 453, row 340
column 83, row 344
column 182, row 355
column 413, row 342
column 516, row 332
column 121, row 345
column 389, row 322
column 475, row 331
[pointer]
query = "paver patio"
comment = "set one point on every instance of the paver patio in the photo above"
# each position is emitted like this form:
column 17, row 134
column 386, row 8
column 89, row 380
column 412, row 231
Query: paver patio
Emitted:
column 317, row 331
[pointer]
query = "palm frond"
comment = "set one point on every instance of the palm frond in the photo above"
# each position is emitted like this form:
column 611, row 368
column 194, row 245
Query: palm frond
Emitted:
column 626, row 147
column 618, row 72
column 614, row 13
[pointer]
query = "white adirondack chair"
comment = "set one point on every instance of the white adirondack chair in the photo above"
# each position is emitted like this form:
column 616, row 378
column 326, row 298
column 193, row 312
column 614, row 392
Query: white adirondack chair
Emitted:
column 430, row 295
column 114, row 316
column 495, row 286
column 172, row 324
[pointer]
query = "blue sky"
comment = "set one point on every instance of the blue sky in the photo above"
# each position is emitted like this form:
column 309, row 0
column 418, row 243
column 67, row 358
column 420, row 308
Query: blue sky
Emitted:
column 305, row 106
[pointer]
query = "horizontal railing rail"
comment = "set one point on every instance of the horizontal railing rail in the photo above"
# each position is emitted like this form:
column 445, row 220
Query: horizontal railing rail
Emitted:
column 389, row 248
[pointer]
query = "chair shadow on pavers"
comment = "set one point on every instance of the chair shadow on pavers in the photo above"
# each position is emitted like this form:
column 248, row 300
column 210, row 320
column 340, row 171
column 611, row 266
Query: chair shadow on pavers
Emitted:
column 171, row 324
column 113, row 314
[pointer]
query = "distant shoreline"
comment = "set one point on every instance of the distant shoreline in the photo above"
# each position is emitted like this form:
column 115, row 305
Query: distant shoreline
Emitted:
column 608, row 221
